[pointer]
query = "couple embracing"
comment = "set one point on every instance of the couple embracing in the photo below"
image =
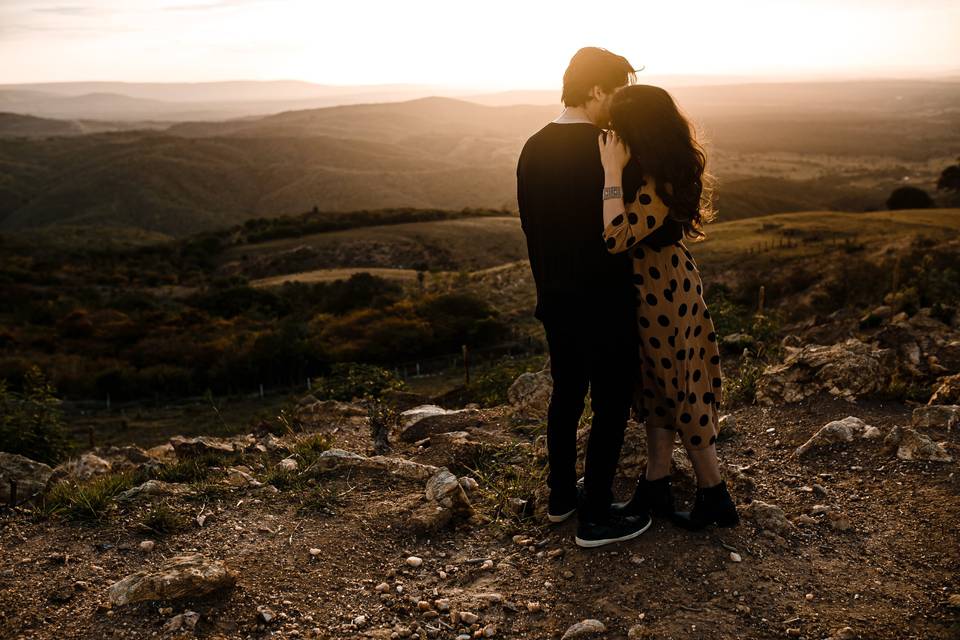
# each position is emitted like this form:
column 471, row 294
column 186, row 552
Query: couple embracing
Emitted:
column 607, row 193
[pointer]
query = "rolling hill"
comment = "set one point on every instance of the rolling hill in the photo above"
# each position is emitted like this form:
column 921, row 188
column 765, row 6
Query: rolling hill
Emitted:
column 773, row 148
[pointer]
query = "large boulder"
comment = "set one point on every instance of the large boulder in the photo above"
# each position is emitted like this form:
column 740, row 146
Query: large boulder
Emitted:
column 836, row 432
column 529, row 396
column 948, row 391
column 188, row 576
column 185, row 447
column 846, row 370
column 153, row 489
column 335, row 459
column 913, row 446
column 81, row 469
column 427, row 420
column 31, row 476
column 937, row 416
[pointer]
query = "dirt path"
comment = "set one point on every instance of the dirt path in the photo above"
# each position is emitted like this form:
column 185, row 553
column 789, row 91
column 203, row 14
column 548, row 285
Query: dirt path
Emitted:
column 888, row 577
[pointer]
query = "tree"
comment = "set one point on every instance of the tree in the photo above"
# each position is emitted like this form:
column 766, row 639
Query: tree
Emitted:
column 950, row 178
column 949, row 182
column 909, row 198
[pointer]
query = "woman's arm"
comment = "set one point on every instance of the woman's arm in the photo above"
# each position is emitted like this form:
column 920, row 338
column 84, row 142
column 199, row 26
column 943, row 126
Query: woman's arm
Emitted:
column 626, row 226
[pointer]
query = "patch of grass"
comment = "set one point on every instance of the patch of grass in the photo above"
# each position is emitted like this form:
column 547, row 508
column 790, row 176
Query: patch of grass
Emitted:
column 89, row 501
column 283, row 478
column 506, row 475
column 308, row 447
column 191, row 470
column 323, row 500
column 162, row 520
column 741, row 389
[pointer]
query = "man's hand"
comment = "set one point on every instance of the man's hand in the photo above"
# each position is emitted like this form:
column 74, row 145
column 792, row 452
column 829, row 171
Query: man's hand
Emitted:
column 614, row 153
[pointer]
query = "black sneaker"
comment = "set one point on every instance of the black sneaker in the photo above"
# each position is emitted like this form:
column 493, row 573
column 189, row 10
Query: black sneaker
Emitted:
column 614, row 529
column 561, row 506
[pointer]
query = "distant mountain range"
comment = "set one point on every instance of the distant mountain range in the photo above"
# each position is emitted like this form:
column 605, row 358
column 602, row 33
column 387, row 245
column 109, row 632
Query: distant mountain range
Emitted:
column 183, row 177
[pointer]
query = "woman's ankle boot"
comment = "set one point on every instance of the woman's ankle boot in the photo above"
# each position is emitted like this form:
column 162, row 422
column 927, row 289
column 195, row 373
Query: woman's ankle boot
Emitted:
column 654, row 497
column 713, row 505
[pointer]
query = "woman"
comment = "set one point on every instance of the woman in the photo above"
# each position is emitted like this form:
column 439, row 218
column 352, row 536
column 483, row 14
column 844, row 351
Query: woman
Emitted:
column 653, row 198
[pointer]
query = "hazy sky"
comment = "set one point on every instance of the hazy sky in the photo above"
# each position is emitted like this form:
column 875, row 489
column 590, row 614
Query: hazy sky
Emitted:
column 495, row 44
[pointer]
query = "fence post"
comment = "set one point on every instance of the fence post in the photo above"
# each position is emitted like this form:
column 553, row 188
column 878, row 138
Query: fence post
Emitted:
column 108, row 402
column 418, row 368
column 466, row 366
column 261, row 389
column 760, row 300
column 308, row 383
column 13, row 493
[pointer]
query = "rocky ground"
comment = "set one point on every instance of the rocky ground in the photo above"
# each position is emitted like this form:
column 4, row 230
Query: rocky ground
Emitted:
column 849, row 504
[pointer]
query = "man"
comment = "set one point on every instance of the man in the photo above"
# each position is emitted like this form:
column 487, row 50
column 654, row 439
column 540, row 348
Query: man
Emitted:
column 585, row 297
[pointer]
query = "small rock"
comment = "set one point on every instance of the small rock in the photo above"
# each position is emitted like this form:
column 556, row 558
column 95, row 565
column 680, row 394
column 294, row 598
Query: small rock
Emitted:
column 288, row 464
column 768, row 516
column 468, row 618
column 735, row 557
column 845, row 633
column 727, row 426
column 954, row 601
column 147, row 546
column 793, row 632
column 808, row 597
column 469, row 484
column 442, row 604
column 534, row 607
column 583, row 629
column 360, row 621
column 314, row 552
column 414, row 561
column 265, row 614
column 489, row 631
column 804, row 520
column 383, row 587
column 839, row 521
column 936, row 416
column 487, row 565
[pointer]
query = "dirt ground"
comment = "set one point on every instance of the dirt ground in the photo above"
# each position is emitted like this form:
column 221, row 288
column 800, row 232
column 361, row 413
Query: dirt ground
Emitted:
column 889, row 576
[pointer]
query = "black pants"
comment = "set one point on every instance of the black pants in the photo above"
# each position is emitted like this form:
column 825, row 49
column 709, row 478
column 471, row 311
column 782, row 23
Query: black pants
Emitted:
column 598, row 351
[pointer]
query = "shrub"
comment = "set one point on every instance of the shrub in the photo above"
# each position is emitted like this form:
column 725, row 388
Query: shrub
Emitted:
column 353, row 380
column 31, row 422
column 909, row 198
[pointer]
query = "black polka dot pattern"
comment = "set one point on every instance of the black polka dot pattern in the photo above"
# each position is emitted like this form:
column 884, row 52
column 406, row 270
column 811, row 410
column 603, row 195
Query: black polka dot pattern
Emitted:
column 678, row 338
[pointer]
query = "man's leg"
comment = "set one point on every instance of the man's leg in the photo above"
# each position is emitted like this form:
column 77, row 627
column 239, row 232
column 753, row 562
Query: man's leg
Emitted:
column 614, row 367
column 570, row 383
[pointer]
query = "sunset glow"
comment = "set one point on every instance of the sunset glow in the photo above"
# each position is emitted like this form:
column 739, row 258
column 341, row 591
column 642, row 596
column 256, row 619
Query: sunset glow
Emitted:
column 495, row 44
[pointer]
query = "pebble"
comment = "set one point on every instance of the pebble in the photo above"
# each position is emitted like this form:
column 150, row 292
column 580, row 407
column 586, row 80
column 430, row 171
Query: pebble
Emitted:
column 360, row 621
column 443, row 604
column 555, row 553
column 735, row 557
column 487, row 565
column 534, row 607
column 147, row 546
column 845, row 633
column 314, row 552
column 414, row 561
column 793, row 632
column 265, row 614
column 468, row 618
column 489, row 631
column 808, row 597
column 383, row 587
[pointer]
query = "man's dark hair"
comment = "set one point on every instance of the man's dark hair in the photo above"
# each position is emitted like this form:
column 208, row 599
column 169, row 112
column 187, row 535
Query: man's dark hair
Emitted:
column 591, row 67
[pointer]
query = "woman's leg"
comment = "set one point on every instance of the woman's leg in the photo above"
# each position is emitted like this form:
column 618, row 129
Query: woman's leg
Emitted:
column 659, row 451
column 705, row 465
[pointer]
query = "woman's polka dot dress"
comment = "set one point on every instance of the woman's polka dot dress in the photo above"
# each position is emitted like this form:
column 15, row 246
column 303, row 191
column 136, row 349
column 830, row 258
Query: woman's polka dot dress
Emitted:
column 680, row 359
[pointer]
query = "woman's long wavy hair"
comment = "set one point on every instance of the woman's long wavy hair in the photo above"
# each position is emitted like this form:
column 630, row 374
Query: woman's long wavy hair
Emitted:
column 663, row 145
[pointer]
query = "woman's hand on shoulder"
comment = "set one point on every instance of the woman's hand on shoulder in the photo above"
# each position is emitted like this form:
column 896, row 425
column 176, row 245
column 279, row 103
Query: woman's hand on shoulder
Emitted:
column 614, row 153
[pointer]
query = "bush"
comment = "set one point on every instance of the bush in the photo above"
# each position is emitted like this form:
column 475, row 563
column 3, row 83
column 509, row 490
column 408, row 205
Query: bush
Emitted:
column 350, row 380
column 31, row 422
column 88, row 501
column 909, row 198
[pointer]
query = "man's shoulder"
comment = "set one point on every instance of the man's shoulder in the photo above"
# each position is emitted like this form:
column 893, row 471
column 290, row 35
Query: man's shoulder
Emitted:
column 553, row 134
